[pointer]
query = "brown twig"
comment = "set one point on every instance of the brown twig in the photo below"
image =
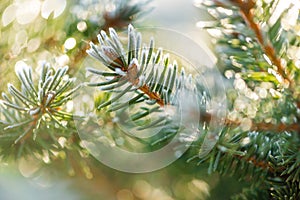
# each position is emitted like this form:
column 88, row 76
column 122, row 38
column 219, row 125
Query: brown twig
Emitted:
column 281, row 127
column 258, row 163
column 152, row 95
column 261, row 126
column 132, row 76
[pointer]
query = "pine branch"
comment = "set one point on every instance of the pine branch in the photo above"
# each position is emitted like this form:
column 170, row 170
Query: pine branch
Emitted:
column 141, row 78
column 289, row 190
column 260, row 127
column 247, row 12
column 264, row 165
column 246, row 8
column 33, row 113
column 247, row 155
column 142, row 68
column 250, row 53
column 152, row 95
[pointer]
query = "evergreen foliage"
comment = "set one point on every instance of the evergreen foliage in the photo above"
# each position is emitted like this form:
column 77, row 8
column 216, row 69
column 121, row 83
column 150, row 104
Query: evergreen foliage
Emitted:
column 257, row 45
column 34, row 118
column 142, row 79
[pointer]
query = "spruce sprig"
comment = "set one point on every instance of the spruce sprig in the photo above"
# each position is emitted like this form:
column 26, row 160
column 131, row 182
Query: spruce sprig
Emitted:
column 252, row 44
column 147, row 71
column 142, row 77
column 35, row 114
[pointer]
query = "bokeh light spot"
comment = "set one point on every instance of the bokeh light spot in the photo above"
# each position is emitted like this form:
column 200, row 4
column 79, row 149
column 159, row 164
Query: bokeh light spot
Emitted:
column 142, row 189
column 81, row 26
column 29, row 166
column 21, row 38
column 70, row 43
column 27, row 11
column 124, row 195
column 33, row 44
column 56, row 7
column 9, row 14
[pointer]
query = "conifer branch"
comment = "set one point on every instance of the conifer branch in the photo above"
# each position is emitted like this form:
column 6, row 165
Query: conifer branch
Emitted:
column 264, row 165
column 272, row 156
column 145, row 70
column 246, row 9
column 152, row 95
column 261, row 126
column 142, row 79
column 34, row 108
